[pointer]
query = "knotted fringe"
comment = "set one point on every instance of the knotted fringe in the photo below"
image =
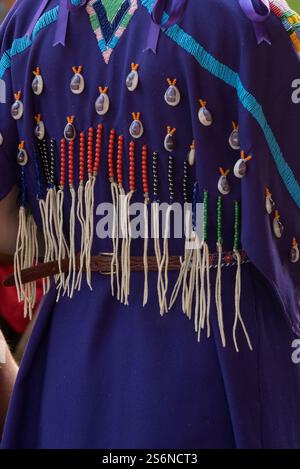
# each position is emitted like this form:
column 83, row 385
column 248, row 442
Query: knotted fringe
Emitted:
column 182, row 278
column 126, row 248
column 50, row 223
column 19, row 253
column 52, row 210
column 87, row 234
column 26, row 255
column 89, row 197
column 146, row 222
column 191, row 282
column 163, row 266
column 87, row 202
column 123, row 222
column 160, row 285
column 81, row 219
column 48, row 210
column 237, row 295
column 145, row 256
column 156, row 232
column 126, row 228
column 71, row 277
column 117, row 195
column 69, row 283
column 63, row 249
column 190, row 278
column 185, row 264
column 237, row 298
column 124, row 234
column 89, row 226
column 218, row 285
column 194, row 274
column 128, row 273
column 53, row 224
column 197, row 302
column 218, row 295
column 42, row 206
column 80, row 209
column 31, row 259
column 47, row 205
column 205, row 295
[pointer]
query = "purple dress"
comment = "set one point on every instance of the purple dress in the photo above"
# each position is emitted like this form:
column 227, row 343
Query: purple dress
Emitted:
column 210, row 120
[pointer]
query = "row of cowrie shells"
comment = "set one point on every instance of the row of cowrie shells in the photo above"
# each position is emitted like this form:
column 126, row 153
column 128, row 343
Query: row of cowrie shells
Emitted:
column 172, row 97
column 22, row 156
column 295, row 253
column 102, row 103
column 278, row 227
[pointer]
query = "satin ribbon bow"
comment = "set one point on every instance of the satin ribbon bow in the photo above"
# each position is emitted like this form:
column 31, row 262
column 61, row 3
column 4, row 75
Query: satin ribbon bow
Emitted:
column 176, row 12
column 65, row 6
column 258, row 11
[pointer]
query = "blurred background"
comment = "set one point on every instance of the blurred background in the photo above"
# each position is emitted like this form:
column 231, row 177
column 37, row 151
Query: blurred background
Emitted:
column 295, row 4
column 4, row 7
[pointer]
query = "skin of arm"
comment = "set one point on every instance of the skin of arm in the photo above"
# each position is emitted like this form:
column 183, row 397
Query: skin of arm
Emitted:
column 9, row 221
column 8, row 373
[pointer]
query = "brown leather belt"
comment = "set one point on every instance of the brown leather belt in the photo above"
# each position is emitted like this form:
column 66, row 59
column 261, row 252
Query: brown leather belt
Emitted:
column 101, row 263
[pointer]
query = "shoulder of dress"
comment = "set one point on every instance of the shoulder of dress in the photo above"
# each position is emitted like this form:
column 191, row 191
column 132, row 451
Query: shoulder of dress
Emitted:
column 24, row 14
column 200, row 10
column 233, row 21
column 289, row 19
column 21, row 26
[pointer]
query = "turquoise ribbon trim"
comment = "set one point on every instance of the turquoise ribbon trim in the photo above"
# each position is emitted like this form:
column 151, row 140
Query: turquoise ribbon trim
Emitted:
column 232, row 78
column 19, row 45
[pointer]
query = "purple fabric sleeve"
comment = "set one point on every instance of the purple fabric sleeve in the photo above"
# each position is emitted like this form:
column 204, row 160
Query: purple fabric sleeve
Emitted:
column 8, row 127
column 8, row 174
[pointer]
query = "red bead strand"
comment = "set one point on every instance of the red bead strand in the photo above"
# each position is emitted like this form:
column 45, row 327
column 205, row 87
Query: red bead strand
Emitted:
column 62, row 163
column 131, row 167
column 71, row 163
column 120, row 160
column 81, row 157
column 145, row 171
column 90, row 151
column 98, row 149
column 111, row 146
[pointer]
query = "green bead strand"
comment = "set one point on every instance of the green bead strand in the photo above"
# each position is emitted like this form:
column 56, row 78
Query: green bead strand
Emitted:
column 236, row 225
column 219, row 220
column 205, row 202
